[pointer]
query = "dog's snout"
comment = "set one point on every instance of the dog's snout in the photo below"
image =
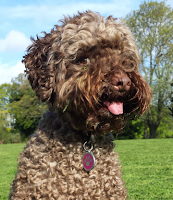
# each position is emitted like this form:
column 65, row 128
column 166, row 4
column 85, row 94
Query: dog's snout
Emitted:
column 121, row 82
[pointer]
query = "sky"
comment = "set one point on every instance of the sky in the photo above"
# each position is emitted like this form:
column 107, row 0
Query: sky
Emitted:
column 19, row 20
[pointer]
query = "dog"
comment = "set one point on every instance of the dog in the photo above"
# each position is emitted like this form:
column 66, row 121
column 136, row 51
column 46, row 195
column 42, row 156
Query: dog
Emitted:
column 87, row 70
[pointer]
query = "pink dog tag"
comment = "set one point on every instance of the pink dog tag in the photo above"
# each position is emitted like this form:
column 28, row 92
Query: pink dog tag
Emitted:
column 88, row 159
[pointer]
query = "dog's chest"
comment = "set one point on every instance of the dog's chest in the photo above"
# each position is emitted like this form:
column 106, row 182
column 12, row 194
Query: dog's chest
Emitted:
column 51, row 169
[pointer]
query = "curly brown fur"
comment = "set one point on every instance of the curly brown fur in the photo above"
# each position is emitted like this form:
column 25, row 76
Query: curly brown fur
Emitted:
column 77, row 69
column 50, row 167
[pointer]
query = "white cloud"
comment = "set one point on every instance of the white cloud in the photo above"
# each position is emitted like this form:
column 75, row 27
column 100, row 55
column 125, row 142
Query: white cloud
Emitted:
column 7, row 72
column 14, row 41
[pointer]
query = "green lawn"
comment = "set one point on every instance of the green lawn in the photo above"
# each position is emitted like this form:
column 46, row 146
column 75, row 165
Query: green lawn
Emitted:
column 147, row 167
column 8, row 166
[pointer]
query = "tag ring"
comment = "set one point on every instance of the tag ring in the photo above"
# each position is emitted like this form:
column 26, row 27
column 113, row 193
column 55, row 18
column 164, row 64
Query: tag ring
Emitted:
column 88, row 149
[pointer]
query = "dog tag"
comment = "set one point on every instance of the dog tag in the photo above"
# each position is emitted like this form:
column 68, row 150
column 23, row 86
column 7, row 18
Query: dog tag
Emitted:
column 88, row 159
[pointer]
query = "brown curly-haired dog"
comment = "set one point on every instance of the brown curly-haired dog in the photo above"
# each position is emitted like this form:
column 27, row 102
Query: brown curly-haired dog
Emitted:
column 87, row 70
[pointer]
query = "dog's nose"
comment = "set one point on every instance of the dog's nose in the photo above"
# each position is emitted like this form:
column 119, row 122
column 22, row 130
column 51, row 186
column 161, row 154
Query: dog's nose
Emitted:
column 121, row 82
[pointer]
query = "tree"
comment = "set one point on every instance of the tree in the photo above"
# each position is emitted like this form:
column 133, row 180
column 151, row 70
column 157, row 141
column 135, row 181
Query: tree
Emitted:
column 170, row 101
column 4, row 122
column 165, row 129
column 24, row 107
column 152, row 26
column 4, row 100
column 133, row 130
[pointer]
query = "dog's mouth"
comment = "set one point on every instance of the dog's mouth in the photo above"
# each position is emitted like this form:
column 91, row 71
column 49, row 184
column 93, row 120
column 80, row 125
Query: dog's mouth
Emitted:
column 117, row 104
column 115, row 107
column 111, row 104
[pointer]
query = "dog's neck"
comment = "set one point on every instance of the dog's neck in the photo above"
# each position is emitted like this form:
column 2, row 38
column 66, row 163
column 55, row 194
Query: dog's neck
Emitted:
column 52, row 126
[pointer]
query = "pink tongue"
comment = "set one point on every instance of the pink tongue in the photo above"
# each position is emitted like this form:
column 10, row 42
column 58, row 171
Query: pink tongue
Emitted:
column 115, row 108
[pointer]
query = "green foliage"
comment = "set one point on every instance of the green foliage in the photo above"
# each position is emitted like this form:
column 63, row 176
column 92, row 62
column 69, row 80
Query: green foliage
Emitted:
column 147, row 168
column 165, row 130
column 20, row 110
column 15, row 138
column 170, row 100
column 133, row 130
column 4, row 134
column 24, row 106
column 4, row 88
column 136, row 128
column 152, row 26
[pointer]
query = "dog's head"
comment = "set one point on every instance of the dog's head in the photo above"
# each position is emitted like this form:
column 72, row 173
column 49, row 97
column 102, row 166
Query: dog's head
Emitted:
column 87, row 69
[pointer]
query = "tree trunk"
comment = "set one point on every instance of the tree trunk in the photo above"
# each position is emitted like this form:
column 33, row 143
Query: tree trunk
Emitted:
column 145, row 131
column 153, row 129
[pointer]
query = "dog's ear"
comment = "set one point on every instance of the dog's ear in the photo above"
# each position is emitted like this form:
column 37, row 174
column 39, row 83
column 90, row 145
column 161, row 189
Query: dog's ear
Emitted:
column 41, row 73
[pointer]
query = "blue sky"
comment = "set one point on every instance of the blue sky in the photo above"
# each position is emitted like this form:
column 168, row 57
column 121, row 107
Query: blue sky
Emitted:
column 19, row 20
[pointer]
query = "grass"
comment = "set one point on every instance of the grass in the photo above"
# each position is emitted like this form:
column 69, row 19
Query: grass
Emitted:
column 147, row 167
column 8, row 166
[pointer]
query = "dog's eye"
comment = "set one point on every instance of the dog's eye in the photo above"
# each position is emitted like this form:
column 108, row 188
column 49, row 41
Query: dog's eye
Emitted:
column 83, row 61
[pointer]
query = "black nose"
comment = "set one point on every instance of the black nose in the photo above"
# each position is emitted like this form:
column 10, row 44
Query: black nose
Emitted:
column 121, row 82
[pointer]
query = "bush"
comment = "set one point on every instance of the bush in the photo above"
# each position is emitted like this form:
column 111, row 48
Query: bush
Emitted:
column 165, row 129
column 15, row 138
column 4, row 136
